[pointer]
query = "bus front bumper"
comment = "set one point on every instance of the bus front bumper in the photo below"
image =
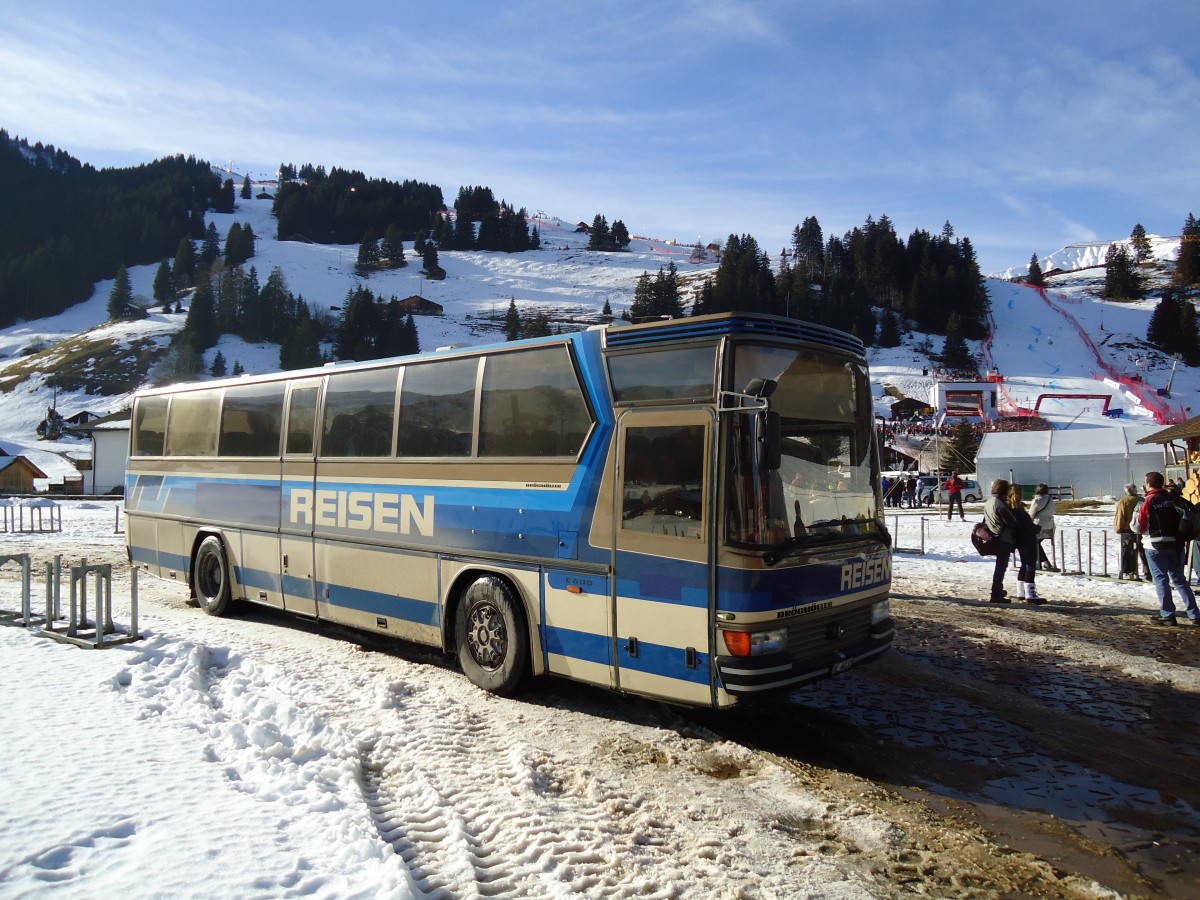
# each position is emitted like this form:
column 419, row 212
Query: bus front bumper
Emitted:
column 774, row 671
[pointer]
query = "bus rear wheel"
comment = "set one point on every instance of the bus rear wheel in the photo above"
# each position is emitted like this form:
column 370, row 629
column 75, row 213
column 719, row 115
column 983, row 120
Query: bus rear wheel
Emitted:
column 489, row 630
column 210, row 577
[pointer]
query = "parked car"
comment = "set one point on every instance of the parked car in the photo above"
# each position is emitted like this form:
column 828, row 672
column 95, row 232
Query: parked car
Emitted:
column 931, row 490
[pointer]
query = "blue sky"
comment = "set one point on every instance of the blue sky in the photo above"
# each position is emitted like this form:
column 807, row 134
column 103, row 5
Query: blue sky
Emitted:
column 1026, row 125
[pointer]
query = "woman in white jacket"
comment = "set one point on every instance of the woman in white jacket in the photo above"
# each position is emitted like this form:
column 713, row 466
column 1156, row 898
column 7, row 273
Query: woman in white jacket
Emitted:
column 1041, row 510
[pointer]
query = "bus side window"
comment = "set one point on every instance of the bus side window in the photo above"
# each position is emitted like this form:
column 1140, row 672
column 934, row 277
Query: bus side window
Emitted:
column 437, row 408
column 150, row 426
column 532, row 405
column 664, row 481
column 358, row 413
column 250, row 420
column 192, row 423
column 302, row 413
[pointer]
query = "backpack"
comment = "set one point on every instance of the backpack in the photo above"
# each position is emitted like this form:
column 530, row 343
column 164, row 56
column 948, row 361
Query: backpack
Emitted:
column 983, row 539
column 1189, row 520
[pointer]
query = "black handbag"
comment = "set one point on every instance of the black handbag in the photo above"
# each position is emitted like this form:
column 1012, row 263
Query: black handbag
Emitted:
column 983, row 539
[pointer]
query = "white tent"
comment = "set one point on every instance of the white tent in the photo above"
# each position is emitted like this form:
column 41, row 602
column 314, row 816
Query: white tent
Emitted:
column 1096, row 462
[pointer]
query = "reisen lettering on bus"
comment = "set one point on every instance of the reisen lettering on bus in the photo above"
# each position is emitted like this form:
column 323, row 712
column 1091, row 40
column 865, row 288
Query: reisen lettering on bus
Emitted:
column 381, row 511
column 866, row 572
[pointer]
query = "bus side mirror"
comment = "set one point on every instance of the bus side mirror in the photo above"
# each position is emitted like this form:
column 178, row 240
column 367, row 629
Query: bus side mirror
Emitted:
column 770, row 440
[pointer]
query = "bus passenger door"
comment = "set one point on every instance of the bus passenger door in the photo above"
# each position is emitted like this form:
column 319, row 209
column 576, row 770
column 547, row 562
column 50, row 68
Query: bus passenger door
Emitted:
column 663, row 554
column 298, row 477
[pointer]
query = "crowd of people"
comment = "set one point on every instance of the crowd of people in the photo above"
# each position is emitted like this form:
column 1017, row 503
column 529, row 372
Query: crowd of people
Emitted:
column 1155, row 540
column 887, row 430
column 903, row 491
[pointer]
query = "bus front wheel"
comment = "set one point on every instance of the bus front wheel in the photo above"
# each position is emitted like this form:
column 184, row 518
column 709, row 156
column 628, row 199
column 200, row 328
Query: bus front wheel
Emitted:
column 210, row 577
column 493, row 646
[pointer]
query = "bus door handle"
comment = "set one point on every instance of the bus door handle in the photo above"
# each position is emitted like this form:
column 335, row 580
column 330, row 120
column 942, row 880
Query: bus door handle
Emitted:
column 632, row 648
column 285, row 556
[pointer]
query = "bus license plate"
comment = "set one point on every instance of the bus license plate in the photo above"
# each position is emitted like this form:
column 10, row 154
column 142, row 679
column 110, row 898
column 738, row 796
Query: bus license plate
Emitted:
column 841, row 666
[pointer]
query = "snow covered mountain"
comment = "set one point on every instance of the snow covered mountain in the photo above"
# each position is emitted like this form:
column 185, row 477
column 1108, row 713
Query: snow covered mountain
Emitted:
column 1090, row 254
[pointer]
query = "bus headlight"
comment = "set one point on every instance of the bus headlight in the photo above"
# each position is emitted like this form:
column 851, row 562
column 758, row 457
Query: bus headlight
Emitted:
column 756, row 643
column 880, row 611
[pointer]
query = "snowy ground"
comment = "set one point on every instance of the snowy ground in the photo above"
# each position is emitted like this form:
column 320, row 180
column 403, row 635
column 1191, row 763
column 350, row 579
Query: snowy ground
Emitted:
column 264, row 756
column 1021, row 751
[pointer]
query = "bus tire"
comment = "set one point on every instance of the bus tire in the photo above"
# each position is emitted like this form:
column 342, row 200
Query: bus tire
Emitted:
column 210, row 577
column 489, row 630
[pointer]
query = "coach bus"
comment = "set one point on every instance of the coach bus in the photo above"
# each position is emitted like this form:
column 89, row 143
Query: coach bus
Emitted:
column 688, row 510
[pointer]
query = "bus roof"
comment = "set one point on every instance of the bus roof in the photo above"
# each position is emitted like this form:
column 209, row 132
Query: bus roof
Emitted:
column 618, row 334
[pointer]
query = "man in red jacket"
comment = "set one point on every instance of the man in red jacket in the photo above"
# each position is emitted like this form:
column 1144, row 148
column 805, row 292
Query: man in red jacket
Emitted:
column 954, row 488
column 1158, row 519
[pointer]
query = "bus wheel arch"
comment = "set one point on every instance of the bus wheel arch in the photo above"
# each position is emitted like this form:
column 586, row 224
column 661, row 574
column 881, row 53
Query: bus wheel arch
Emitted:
column 490, row 635
column 210, row 575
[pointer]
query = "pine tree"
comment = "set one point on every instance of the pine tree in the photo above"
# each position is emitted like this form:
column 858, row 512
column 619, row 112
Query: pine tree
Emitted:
column 239, row 244
column 368, row 253
column 1140, row 244
column 600, row 237
column 1187, row 265
column 391, row 250
column 300, row 348
column 183, row 269
column 958, row 454
column 224, row 201
column 361, row 327
column 889, row 330
column 1035, row 276
column 1122, row 283
column 643, row 298
column 1188, row 339
column 247, row 191
column 218, row 365
column 1173, row 327
column 225, row 297
column 164, row 286
column 955, row 353
column 619, row 236
column 237, row 369
column 430, row 265
column 808, row 249
column 512, row 321
column 211, row 249
column 120, row 298
column 262, row 322
column 200, row 327
column 412, row 341
column 538, row 326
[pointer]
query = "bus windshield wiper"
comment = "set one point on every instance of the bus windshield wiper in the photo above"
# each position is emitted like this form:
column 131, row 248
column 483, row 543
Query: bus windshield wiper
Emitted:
column 813, row 534
column 786, row 548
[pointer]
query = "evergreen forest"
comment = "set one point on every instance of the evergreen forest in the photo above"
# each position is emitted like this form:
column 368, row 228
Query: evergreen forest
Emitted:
column 341, row 206
column 65, row 225
column 922, row 283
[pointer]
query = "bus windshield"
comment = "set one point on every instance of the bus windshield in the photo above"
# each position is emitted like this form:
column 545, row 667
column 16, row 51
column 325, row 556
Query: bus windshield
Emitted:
column 824, row 487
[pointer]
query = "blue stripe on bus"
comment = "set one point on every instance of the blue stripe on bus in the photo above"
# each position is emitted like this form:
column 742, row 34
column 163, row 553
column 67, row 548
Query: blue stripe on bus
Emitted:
column 376, row 603
column 668, row 662
column 648, row 578
column 596, row 648
column 652, row 659
column 295, row 586
column 259, row 579
column 150, row 556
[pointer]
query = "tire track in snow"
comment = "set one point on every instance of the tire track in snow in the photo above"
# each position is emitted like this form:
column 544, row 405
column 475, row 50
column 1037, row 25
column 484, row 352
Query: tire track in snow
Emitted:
column 473, row 817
